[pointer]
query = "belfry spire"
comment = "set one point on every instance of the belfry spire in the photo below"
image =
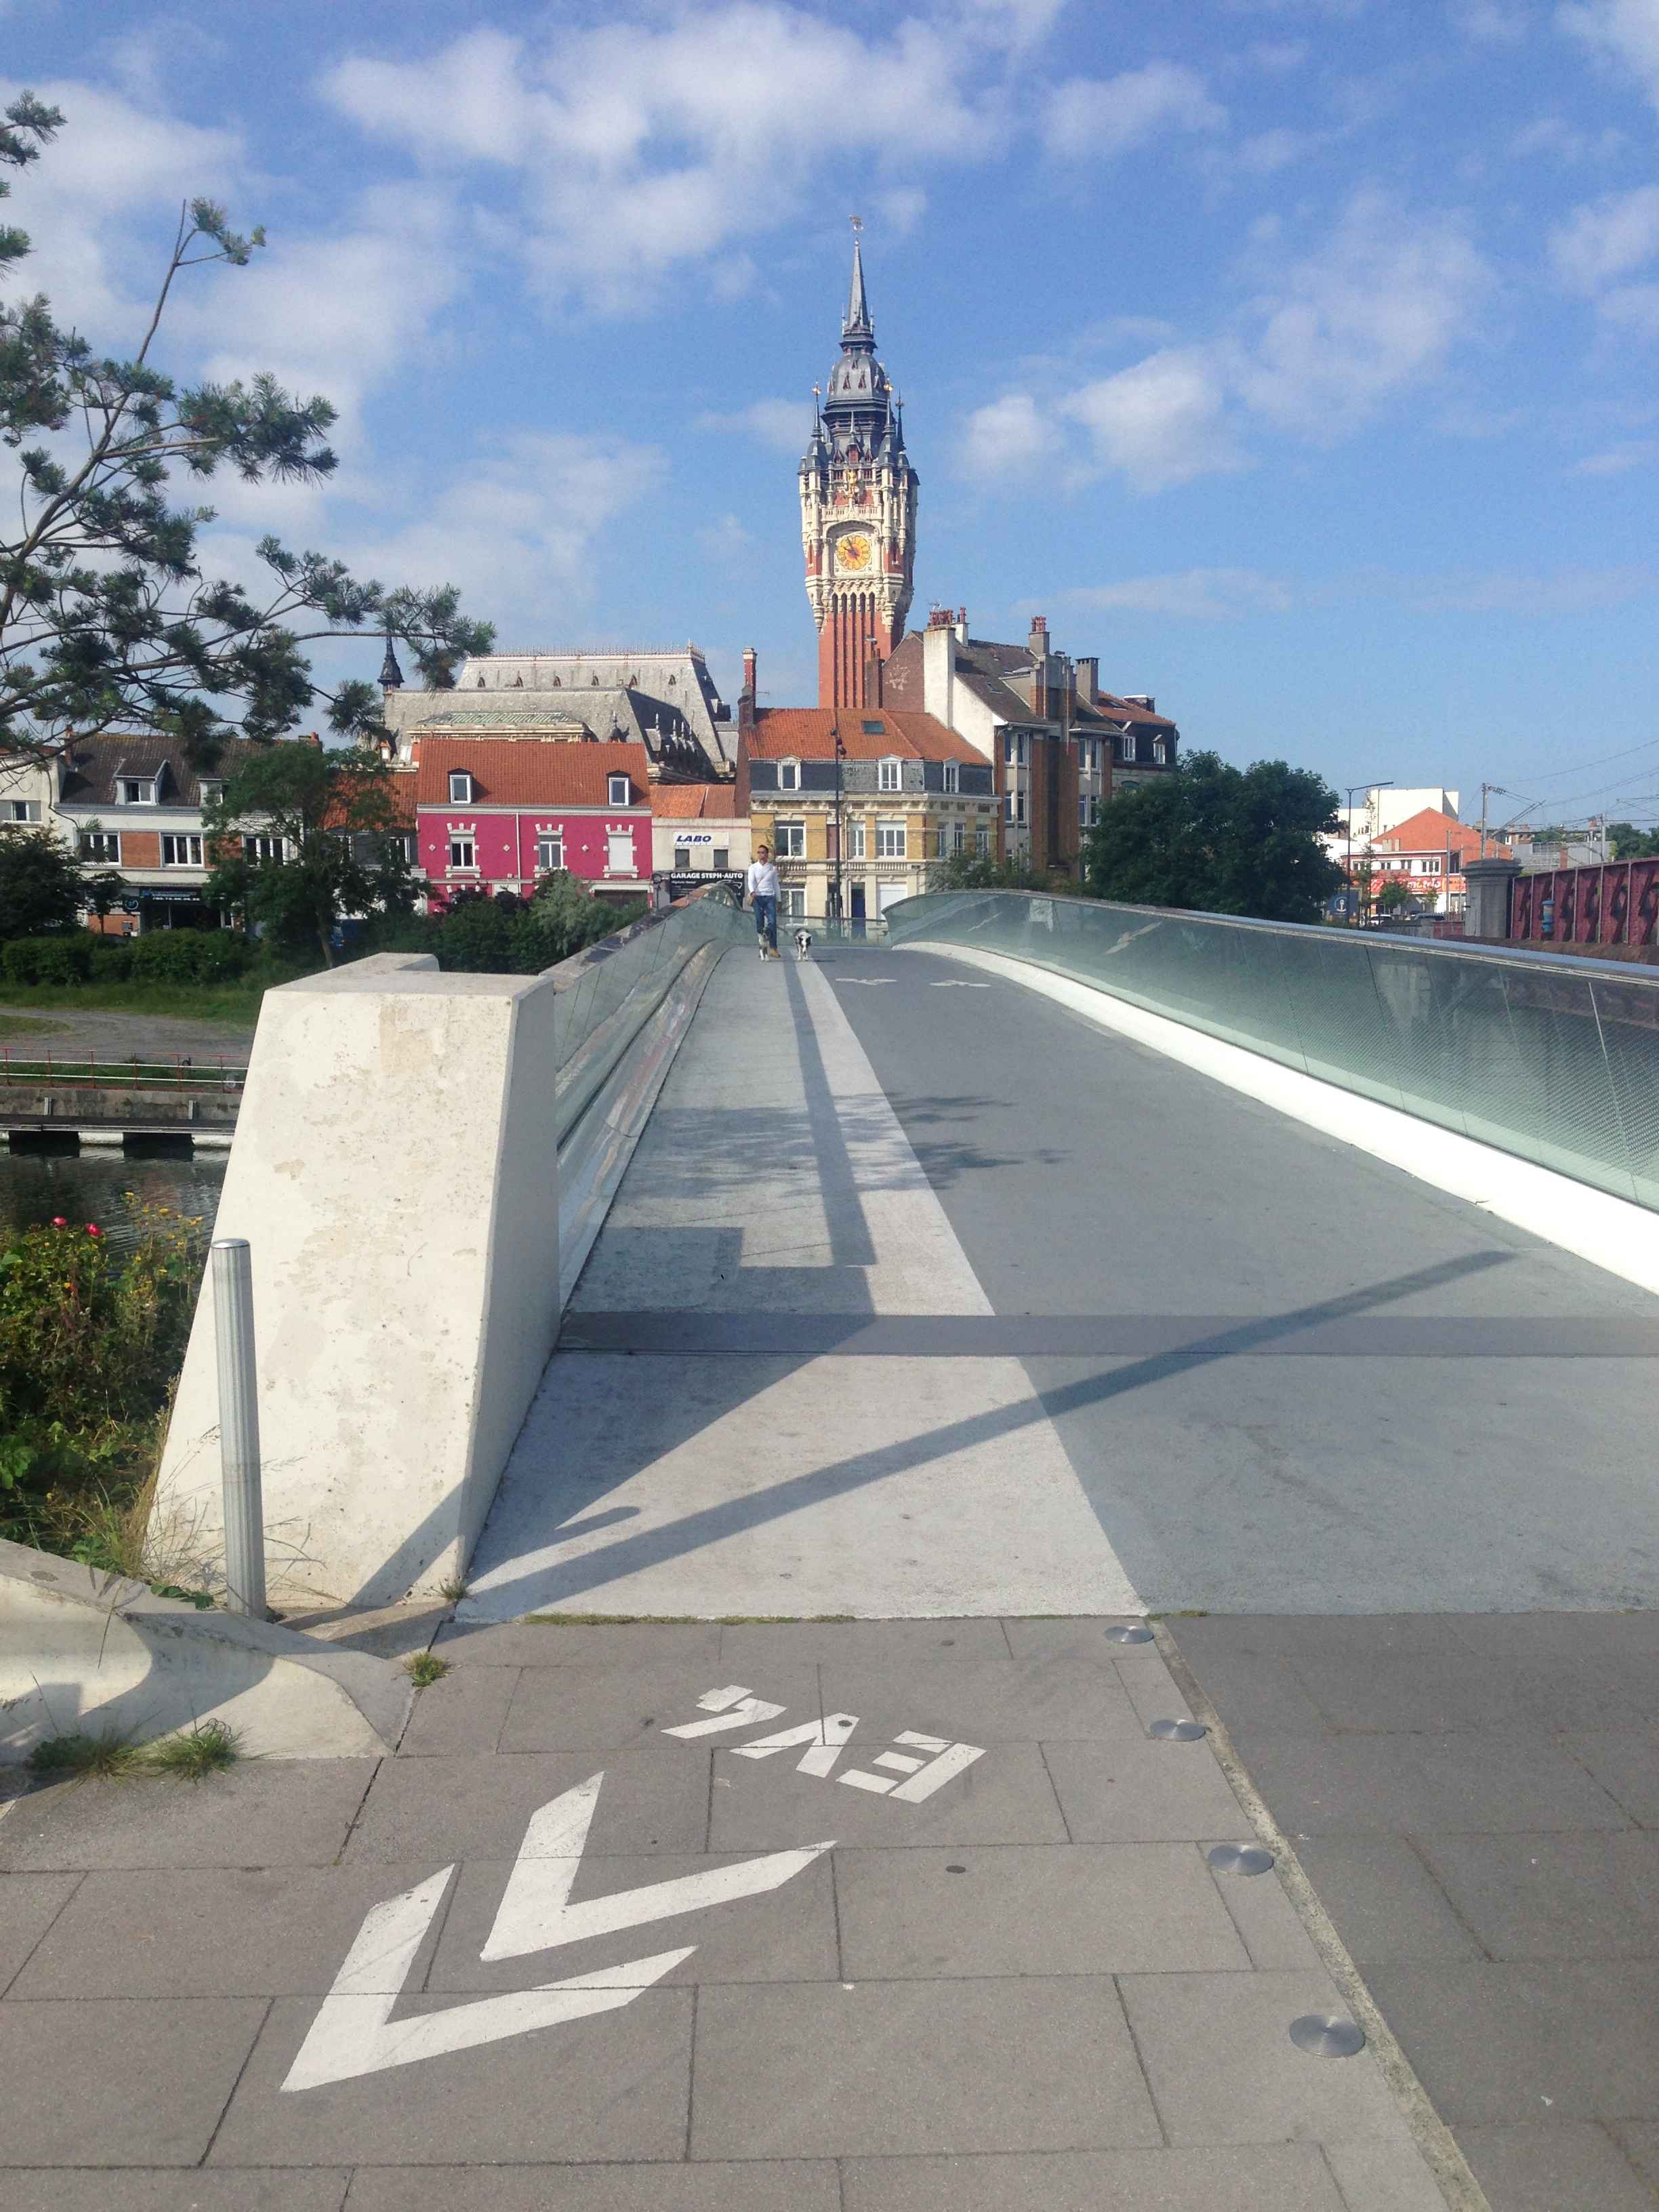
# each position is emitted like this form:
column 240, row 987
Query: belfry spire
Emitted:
column 856, row 323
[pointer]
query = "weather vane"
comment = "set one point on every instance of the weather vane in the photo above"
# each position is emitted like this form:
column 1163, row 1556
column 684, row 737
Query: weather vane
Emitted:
column 857, row 221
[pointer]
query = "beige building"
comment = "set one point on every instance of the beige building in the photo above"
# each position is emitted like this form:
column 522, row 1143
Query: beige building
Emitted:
column 696, row 830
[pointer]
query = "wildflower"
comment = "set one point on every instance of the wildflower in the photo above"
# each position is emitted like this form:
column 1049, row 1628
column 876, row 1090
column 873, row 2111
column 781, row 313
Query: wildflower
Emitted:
column 92, row 1230
column 58, row 1222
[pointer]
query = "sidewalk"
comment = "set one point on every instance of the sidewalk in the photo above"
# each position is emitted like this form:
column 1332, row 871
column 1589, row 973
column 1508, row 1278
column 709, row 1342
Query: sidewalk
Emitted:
column 1025, row 1989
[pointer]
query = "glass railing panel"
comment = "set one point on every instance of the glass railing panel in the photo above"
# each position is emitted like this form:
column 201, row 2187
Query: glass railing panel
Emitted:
column 1628, row 1016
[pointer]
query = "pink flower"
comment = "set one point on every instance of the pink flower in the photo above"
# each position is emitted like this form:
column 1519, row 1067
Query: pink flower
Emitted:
column 58, row 1222
column 93, row 1229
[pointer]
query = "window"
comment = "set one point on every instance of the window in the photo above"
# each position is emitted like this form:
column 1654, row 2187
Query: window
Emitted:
column 874, row 729
column 549, row 853
column 887, row 776
column 1013, row 748
column 890, row 840
column 682, row 859
column 1015, row 805
column 1433, row 866
column 791, row 905
column 1126, row 747
column 619, row 855
column 1082, row 811
column 130, row 792
column 721, row 860
column 211, row 789
column 460, row 787
column 856, row 848
column 619, row 793
column 104, row 845
column 788, row 841
column 400, row 846
column 23, row 810
column 788, row 775
column 1160, row 750
column 958, row 836
column 462, row 854
column 264, row 848
column 953, row 775
column 981, row 840
column 181, row 852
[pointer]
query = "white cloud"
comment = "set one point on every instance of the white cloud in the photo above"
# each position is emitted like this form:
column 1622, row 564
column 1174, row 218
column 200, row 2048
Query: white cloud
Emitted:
column 1619, row 460
column 1558, row 592
column 1633, row 309
column 726, row 540
column 1554, row 135
column 1606, row 239
column 1099, row 119
column 1160, row 422
column 1375, row 310
column 1008, row 434
column 1278, row 56
column 781, row 425
column 1272, row 150
column 639, row 145
column 1195, row 594
column 1623, row 32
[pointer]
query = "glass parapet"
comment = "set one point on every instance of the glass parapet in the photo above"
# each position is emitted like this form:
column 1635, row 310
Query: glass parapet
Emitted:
column 1550, row 1057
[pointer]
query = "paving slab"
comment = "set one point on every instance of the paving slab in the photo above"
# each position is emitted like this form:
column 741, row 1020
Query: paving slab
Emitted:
column 1593, row 1896
column 811, row 2072
column 29, row 1903
column 1384, row 2177
column 463, row 1713
column 1084, row 1909
column 1006, row 1797
column 749, row 2186
column 862, row 1643
column 223, row 1932
column 1625, row 1762
column 562, row 1709
column 1407, row 1783
column 259, row 2189
column 654, row 1799
column 567, row 1641
column 1005, row 1700
column 1219, row 2055
column 613, row 2085
column 286, row 1813
column 1267, row 1921
column 1544, row 2169
column 1139, row 1789
column 120, row 2082
column 1286, row 2177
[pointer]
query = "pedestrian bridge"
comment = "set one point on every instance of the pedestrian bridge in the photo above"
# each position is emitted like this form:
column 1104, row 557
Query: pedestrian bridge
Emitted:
column 1046, row 1258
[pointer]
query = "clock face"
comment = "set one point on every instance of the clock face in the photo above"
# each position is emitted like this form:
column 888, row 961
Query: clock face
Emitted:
column 853, row 554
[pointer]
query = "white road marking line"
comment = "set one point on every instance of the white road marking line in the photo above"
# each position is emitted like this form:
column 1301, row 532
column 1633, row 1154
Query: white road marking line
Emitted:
column 944, row 1767
column 870, row 982
column 826, row 1739
column 955, row 983
column 535, row 1914
column 354, row 2031
column 735, row 1707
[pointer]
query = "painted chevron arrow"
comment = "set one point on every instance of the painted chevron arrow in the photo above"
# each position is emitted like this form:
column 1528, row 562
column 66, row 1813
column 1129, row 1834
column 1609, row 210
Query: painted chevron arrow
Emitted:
column 354, row 2033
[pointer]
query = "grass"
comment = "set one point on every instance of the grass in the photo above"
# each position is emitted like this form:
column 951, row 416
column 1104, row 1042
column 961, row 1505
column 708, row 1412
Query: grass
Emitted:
column 423, row 1668
column 454, row 1589
column 28, row 1025
column 207, row 1748
column 223, row 1003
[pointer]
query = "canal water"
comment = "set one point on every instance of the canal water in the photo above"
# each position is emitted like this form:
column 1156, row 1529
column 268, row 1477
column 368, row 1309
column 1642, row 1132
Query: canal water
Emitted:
column 90, row 1186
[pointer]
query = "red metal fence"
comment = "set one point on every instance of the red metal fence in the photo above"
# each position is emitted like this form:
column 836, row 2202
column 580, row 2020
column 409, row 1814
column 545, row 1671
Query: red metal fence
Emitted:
column 1616, row 903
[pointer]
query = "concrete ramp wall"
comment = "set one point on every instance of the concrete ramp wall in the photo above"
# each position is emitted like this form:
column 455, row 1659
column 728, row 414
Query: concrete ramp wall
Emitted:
column 396, row 1174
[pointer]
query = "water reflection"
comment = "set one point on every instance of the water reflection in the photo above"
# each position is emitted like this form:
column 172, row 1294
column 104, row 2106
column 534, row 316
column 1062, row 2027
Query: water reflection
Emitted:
column 87, row 1186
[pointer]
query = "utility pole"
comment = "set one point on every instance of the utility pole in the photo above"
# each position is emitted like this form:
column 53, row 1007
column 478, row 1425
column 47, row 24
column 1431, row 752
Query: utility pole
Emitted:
column 841, row 754
column 1388, row 785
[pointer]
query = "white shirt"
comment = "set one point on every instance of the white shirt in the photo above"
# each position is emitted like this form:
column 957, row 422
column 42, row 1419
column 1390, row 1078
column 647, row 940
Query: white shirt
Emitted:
column 762, row 880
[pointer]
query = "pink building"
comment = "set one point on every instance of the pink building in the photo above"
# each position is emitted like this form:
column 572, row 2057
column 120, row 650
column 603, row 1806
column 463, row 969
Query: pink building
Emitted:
column 494, row 814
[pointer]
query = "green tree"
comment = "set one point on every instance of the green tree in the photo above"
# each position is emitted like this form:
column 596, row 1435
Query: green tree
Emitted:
column 106, row 615
column 977, row 871
column 1219, row 840
column 1396, row 898
column 1626, row 842
column 40, row 882
column 329, row 842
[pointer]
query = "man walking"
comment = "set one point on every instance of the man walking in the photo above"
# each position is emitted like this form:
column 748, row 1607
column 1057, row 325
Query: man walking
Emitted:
column 763, row 887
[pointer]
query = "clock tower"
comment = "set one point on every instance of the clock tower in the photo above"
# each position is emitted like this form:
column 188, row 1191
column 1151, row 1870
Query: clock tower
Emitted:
column 858, row 511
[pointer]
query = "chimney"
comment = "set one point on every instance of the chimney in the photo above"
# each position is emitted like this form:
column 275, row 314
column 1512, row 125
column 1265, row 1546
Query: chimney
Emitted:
column 872, row 675
column 1142, row 699
column 746, row 696
column 1037, row 643
column 938, row 618
column 1088, row 678
column 962, row 625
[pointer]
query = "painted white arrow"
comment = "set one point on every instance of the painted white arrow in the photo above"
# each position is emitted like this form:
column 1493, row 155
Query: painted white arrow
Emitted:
column 354, row 2033
column 956, row 983
column 536, row 1913
column 865, row 982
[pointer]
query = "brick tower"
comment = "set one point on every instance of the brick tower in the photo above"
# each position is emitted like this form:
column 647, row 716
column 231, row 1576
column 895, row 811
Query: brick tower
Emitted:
column 857, row 513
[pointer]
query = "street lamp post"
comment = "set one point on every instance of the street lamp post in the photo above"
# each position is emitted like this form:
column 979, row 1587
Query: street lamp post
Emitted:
column 1386, row 784
column 841, row 754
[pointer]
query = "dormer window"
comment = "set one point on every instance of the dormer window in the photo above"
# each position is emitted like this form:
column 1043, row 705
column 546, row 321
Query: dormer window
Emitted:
column 134, row 791
column 618, row 791
column 212, row 791
column 460, row 788
column 889, row 775
column 953, row 775
column 789, row 775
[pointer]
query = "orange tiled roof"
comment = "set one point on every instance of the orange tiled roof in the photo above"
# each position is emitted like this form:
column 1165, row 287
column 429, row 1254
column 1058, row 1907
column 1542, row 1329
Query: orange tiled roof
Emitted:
column 1431, row 831
column 529, row 772
column 809, row 734
column 693, row 802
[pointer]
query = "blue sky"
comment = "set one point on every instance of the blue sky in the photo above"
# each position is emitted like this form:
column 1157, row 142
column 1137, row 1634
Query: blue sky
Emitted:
column 1296, row 357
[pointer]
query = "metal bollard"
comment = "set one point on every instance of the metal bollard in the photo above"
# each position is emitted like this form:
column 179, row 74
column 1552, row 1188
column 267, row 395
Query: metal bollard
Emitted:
column 238, row 1426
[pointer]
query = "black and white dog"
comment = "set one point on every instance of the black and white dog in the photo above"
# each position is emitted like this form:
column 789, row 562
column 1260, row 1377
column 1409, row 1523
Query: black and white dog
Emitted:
column 803, row 945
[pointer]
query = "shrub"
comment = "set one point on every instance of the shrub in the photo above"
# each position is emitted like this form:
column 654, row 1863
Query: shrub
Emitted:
column 66, row 959
column 190, row 956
